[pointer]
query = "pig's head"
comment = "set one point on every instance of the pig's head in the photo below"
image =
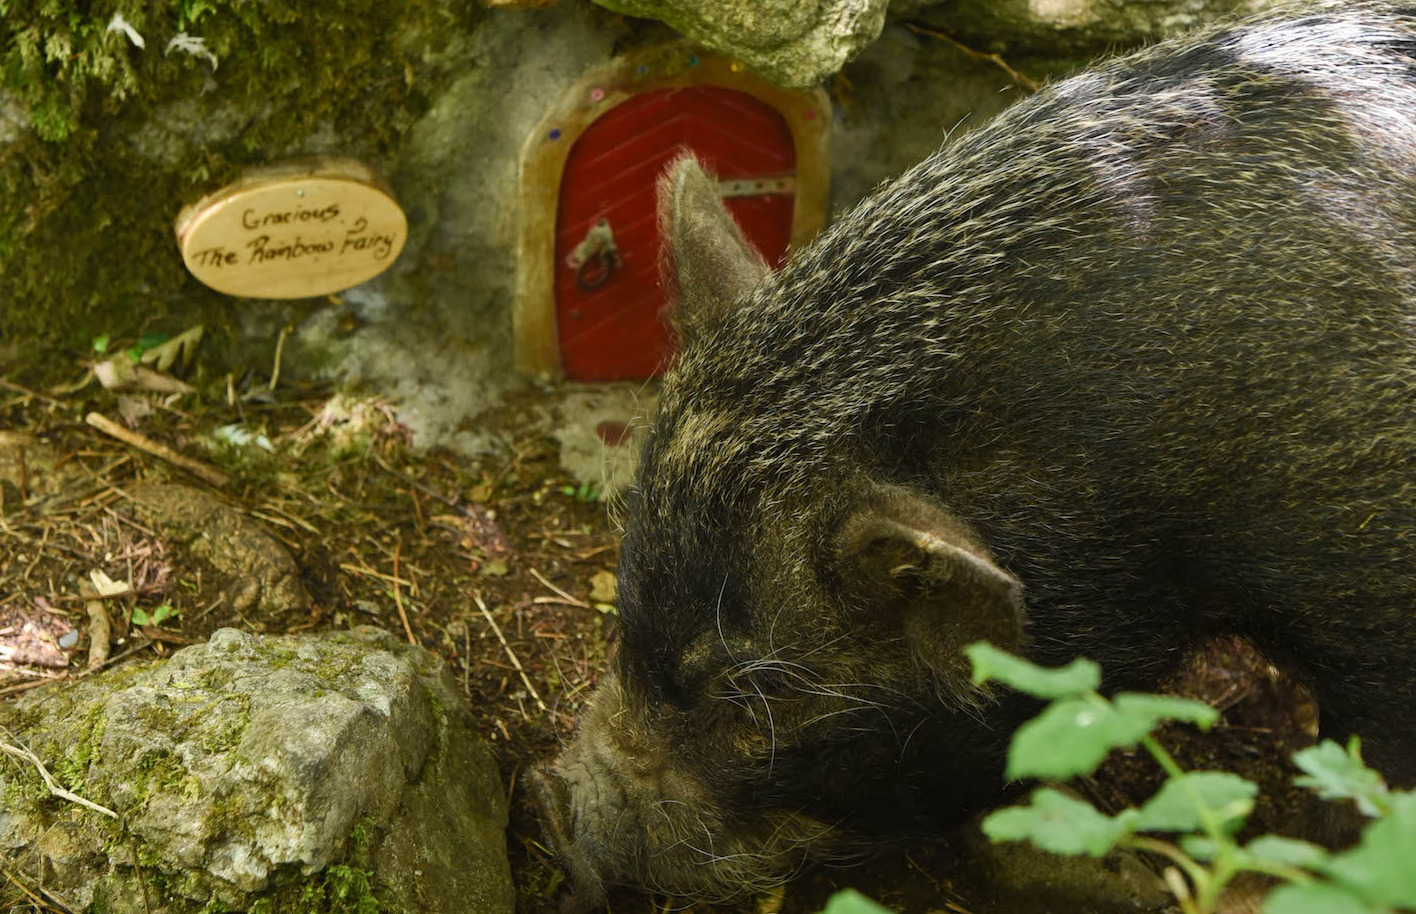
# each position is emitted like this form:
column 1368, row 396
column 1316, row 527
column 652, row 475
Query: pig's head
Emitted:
column 790, row 679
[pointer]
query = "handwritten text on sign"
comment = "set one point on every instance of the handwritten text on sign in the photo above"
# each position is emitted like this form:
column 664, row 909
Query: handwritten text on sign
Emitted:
column 293, row 237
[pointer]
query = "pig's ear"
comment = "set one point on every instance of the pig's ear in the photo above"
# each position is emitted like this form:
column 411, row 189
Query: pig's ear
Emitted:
column 904, row 557
column 709, row 263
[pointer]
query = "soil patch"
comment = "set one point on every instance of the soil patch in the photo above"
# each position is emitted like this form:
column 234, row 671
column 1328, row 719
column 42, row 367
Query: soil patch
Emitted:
column 498, row 565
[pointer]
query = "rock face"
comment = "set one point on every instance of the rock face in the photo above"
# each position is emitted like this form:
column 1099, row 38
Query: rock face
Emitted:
column 1069, row 26
column 252, row 768
column 440, row 97
column 791, row 42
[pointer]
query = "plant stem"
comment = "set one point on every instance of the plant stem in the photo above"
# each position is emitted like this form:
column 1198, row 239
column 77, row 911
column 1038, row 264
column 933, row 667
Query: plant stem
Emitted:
column 1196, row 873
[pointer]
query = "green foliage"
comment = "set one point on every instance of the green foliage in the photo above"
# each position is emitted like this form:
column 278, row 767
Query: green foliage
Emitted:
column 849, row 901
column 1181, row 803
column 1337, row 775
column 1071, row 681
column 1074, row 734
column 1203, row 809
column 1060, row 824
column 586, row 492
column 156, row 617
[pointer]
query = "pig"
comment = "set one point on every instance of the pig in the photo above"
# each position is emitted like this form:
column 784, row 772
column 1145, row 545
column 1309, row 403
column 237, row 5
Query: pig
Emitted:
column 1132, row 365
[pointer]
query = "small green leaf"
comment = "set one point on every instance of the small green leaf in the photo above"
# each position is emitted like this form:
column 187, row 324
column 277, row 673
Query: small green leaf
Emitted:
column 1286, row 852
column 1071, row 737
column 1076, row 678
column 100, row 343
column 1200, row 848
column 1059, row 824
column 150, row 339
column 1180, row 803
column 1167, row 707
column 1380, row 868
column 849, row 901
column 1316, row 898
column 142, row 617
column 1335, row 774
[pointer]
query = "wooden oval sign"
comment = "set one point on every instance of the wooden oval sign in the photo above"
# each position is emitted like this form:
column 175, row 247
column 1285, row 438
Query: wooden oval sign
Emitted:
column 293, row 233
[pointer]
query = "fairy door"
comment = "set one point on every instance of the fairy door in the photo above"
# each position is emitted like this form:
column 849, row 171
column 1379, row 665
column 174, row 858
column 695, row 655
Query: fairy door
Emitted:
column 610, row 306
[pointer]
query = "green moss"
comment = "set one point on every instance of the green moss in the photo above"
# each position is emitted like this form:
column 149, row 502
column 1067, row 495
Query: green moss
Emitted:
column 226, row 735
column 162, row 772
column 160, row 719
column 344, row 890
column 339, row 889
column 122, row 136
column 72, row 768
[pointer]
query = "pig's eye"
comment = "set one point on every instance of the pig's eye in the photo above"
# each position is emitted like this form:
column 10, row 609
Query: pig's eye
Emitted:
column 693, row 679
column 704, row 666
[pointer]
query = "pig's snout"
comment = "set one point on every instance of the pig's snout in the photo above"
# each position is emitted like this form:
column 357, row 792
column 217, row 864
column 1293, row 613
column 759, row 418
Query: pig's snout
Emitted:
column 555, row 799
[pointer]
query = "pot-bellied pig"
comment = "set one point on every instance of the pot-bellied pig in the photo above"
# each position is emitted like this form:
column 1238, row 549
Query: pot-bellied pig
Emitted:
column 1131, row 365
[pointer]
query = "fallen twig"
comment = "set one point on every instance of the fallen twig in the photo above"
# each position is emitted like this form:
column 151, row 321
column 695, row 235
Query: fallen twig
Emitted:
column 100, row 628
column 161, row 451
column 398, row 596
column 509, row 653
column 27, row 756
column 26, row 686
column 365, row 571
column 21, row 389
column 995, row 59
column 565, row 597
column 279, row 348
column 48, row 901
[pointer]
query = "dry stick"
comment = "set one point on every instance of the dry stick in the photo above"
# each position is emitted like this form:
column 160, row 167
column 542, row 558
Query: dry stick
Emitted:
column 142, row 877
column 366, row 572
column 507, row 647
column 27, row 756
column 26, row 686
column 24, row 479
column 21, row 389
column 49, row 900
column 398, row 596
column 561, row 593
column 279, row 347
column 995, row 59
column 161, row 451
column 100, row 629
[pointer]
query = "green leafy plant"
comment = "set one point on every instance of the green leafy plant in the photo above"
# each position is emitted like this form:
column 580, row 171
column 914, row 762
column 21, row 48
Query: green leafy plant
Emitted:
column 156, row 617
column 1201, row 812
column 586, row 492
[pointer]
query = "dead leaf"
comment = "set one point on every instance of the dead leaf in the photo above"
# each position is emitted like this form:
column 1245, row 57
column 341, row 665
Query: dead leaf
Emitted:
column 106, row 586
column 133, row 410
column 119, row 373
column 115, row 373
column 604, row 587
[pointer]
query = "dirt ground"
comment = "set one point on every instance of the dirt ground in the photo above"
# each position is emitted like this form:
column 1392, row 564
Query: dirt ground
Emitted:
column 499, row 566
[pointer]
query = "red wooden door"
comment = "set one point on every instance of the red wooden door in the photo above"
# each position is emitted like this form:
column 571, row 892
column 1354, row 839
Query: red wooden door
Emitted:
column 609, row 303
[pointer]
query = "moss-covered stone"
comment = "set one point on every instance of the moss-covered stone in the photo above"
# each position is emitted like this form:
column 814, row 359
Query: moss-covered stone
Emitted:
column 306, row 777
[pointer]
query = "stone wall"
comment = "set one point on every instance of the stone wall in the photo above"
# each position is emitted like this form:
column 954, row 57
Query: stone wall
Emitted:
column 102, row 142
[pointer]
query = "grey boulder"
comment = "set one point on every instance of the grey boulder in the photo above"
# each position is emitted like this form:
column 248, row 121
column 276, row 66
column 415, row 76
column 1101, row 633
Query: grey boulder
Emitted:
column 791, row 42
column 252, row 768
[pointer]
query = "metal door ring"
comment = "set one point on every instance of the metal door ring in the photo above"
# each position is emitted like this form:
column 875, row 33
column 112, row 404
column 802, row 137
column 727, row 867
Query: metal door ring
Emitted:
column 596, row 270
